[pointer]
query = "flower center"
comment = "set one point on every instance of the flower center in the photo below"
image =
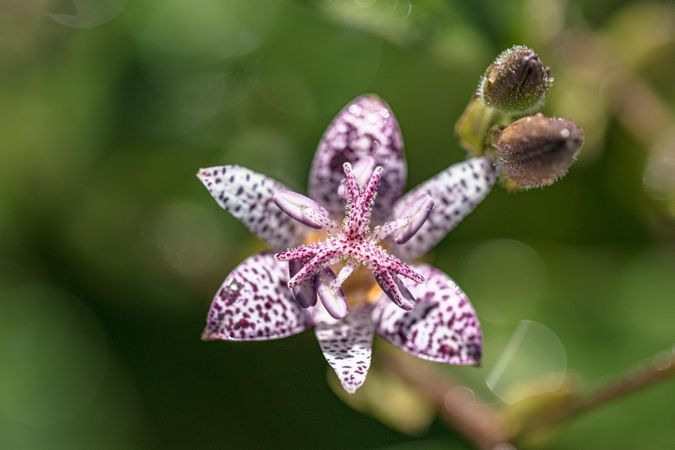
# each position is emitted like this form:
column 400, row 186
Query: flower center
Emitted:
column 351, row 244
column 360, row 287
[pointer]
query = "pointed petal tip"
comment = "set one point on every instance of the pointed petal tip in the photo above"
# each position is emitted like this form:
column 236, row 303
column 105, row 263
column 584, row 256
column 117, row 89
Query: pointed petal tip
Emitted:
column 207, row 336
column 351, row 388
column 203, row 175
column 247, row 196
column 370, row 103
column 368, row 95
column 347, row 346
column 371, row 98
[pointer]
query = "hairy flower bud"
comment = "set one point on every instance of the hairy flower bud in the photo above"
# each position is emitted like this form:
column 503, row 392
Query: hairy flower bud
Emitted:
column 536, row 151
column 516, row 82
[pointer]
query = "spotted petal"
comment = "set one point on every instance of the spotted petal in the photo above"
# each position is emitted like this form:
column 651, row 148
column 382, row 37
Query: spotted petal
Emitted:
column 254, row 304
column 455, row 192
column 248, row 196
column 365, row 127
column 441, row 327
column 347, row 344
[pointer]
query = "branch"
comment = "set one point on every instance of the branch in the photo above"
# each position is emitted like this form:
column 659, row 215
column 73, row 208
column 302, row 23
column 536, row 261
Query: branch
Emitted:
column 645, row 376
column 657, row 369
column 478, row 422
column 475, row 420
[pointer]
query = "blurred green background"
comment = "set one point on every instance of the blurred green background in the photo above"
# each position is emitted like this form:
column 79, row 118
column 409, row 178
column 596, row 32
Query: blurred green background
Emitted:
column 110, row 248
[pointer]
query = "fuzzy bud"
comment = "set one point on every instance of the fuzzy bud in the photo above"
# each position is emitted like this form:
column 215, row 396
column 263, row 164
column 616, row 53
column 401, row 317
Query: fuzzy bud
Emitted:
column 536, row 151
column 516, row 82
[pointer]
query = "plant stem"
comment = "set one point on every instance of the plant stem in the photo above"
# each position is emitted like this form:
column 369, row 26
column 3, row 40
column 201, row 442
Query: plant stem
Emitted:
column 657, row 369
column 470, row 416
column 478, row 421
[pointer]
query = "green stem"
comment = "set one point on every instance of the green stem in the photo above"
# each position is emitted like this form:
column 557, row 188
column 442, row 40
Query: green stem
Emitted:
column 472, row 418
column 478, row 422
column 474, row 125
column 657, row 369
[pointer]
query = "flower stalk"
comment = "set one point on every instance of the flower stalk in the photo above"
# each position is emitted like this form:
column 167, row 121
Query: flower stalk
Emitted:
column 657, row 369
column 484, row 426
column 477, row 421
column 473, row 127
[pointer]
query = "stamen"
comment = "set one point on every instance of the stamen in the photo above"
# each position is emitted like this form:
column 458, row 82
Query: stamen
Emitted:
column 420, row 211
column 303, row 209
column 381, row 232
column 334, row 301
column 304, row 293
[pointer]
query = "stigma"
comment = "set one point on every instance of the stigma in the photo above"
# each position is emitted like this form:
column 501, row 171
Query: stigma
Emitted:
column 350, row 243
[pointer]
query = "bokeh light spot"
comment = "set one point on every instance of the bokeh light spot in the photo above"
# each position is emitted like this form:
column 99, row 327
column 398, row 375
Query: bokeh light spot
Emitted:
column 90, row 13
column 533, row 362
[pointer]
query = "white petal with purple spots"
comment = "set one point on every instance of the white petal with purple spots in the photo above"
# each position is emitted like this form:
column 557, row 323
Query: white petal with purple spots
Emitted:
column 347, row 344
column 248, row 196
column 455, row 192
column 254, row 303
column 365, row 127
column 442, row 326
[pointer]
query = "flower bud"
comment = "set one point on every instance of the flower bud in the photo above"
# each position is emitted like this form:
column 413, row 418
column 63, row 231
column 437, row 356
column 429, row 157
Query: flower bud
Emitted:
column 517, row 81
column 536, row 151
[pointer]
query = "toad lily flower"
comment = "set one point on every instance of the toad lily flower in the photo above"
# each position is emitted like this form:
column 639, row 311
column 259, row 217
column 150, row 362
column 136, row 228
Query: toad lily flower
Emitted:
column 354, row 223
